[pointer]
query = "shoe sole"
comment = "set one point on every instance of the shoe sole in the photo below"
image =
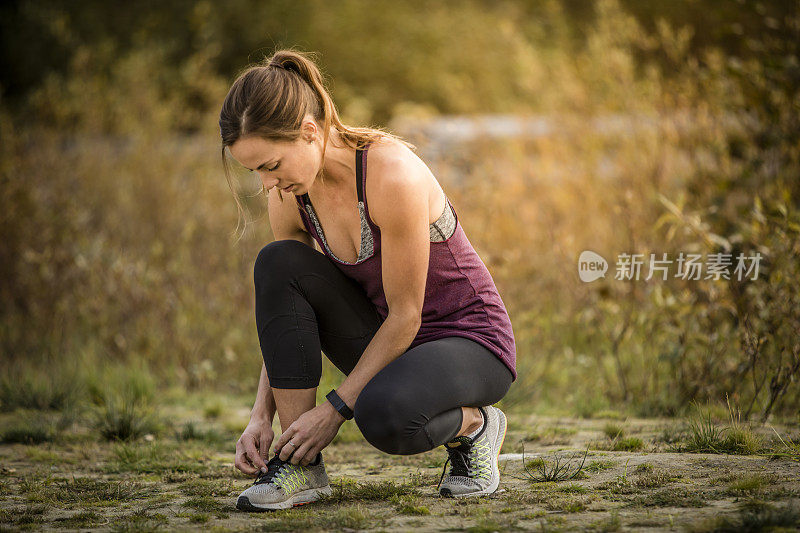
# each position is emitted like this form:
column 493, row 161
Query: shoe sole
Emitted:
column 501, row 436
column 301, row 498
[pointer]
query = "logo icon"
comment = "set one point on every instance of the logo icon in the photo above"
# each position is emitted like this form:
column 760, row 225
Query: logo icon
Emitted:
column 591, row 266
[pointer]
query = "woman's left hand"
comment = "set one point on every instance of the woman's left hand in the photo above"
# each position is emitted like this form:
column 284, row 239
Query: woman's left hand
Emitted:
column 310, row 433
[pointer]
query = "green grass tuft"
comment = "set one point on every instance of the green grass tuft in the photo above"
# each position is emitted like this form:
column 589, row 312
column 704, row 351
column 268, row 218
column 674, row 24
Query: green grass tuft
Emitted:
column 749, row 483
column 79, row 520
column 599, row 466
column 140, row 520
column 346, row 489
column 669, row 498
column 208, row 504
column 613, row 430
column 759, row 518
column 27, row 387
column 30, row 430
column 350, row 517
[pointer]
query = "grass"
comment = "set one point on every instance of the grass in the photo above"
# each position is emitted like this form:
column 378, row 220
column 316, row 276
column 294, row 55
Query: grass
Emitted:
column 124, row 419
column 608, row 524
column 408, row 505
column 647, row 479
column 707, row 437
column 491, row 524
column 347, row 489
column 208, row 504
column 30, row 430
column 762, row 518
column 142, row 519
column 749, row 483
column 787, row 449
column 599, row 466
column 202, row 487
column 671, row 434
column 123, row 402
column 539, row 470
column 27, row 387
column 159, row 458
column 348, row 433
column 351, row 517
column 675, row 497
column 179, row 481
column 569, row 504
column 704, row 435
column 213, row 409
column 619, row 444
column 628, row 444
column 81, row 519
column 27, row 516
column 574, row 488
column 81, row 490
column 613, row 431
column 193, row 431
column 550, row 435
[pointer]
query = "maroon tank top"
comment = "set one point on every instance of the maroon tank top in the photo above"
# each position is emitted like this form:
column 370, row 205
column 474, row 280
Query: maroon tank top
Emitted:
column 461, row 299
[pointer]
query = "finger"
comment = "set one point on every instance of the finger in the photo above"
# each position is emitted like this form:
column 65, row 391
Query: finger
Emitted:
column 301, row 452
column 241, row 463
column 252, row 454
column 312, row 454
column 264, row 443
column 281, row 441
column 281, row 447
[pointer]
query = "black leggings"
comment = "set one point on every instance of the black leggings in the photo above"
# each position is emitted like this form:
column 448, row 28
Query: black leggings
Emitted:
column 305, row 304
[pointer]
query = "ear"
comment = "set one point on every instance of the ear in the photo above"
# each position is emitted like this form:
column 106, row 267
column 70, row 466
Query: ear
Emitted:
column 309, row 129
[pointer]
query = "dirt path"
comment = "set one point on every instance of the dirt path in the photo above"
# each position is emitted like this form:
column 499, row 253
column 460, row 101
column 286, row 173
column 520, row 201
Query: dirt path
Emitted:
column 79, row 483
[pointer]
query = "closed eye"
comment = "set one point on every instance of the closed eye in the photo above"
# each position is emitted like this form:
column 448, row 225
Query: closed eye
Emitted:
column 268, row 169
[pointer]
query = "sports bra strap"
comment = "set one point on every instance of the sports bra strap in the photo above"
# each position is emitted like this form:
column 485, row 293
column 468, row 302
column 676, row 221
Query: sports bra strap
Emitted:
column 359, row 179
column 359, row 174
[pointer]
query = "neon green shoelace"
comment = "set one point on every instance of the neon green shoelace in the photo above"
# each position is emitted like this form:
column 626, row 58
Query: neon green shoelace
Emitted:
column 291, row 477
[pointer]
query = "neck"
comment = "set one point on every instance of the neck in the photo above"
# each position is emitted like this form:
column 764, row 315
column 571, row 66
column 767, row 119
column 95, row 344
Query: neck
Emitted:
column 338, row 172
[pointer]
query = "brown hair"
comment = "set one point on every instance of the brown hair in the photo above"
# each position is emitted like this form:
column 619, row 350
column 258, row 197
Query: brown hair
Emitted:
column 270, row 100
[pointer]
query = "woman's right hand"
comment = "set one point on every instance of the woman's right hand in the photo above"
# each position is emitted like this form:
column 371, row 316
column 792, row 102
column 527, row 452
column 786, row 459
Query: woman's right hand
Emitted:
column 252, row 448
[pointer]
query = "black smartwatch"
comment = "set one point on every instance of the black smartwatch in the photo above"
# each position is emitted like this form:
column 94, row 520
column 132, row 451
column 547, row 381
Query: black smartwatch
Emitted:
column 339, row 405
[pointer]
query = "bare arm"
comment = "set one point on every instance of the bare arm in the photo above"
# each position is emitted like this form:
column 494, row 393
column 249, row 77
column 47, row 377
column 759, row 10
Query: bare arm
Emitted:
column 286, row 223
column 402, row 205
column 252, row 448
column 264, row 408
column 405, row 252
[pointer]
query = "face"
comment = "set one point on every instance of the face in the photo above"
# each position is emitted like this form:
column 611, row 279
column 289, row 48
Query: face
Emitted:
column 281, row 164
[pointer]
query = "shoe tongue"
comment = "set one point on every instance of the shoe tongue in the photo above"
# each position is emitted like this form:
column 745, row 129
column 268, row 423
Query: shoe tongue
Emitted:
column 276, row 460
column 463, row 442
column 272, row 468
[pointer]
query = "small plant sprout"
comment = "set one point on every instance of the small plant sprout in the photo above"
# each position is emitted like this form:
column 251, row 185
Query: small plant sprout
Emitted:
column 540, row 471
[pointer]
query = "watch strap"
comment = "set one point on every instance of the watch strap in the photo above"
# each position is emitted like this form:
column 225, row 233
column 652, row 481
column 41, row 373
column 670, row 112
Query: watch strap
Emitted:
column 339, row 405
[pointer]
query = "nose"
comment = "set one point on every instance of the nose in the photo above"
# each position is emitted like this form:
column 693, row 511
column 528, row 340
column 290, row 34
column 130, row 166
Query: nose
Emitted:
column 269, row 182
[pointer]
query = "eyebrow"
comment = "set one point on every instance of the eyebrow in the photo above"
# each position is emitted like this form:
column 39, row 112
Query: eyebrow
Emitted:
column 262, row 165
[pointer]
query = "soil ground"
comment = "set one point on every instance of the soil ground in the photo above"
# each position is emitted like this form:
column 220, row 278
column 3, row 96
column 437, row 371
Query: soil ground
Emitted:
column 187, row 481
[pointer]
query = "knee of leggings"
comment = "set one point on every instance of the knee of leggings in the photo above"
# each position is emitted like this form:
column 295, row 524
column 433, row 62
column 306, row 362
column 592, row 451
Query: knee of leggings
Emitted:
column 279, row 257
column 382, row 420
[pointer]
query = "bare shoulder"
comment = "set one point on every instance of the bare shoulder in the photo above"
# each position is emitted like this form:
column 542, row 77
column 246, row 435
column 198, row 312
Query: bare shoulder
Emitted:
column 394, row 170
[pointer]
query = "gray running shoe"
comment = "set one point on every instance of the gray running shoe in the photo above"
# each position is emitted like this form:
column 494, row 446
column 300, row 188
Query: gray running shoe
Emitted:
column 285, row 485
column 473, row 462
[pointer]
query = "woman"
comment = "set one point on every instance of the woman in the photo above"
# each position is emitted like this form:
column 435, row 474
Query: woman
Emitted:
column 398, row 299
